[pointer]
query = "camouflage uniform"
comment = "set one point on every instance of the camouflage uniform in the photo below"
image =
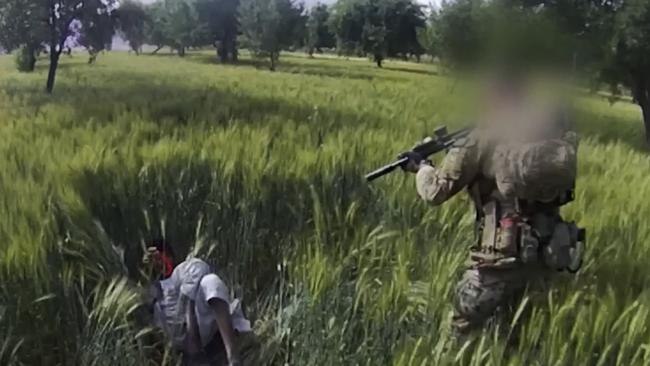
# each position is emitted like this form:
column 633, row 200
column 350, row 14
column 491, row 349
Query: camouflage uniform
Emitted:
column 495, row 275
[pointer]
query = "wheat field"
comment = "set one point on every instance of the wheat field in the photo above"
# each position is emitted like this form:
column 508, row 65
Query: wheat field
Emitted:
column 261, row 173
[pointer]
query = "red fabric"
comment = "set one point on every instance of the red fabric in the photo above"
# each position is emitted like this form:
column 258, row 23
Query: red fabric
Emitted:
column 168, row 264
column 508, row 221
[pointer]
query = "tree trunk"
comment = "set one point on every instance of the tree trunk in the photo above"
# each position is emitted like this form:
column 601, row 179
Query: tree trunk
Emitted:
column 235, row 54
column 181, row 51
column 54, row 64
column 92, row 57
column 378, row 60
column 641, row 94
column 32, row 63
column 645, row 111
column 222, row 51
column 273, row 59
column 230, row 46
column 32, row 58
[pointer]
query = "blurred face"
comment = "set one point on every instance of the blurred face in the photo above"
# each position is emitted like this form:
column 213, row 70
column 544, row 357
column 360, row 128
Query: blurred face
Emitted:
column 500, row 99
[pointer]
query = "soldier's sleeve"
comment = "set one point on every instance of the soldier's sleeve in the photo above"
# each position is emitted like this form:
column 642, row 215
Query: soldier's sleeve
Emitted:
column 459, row 168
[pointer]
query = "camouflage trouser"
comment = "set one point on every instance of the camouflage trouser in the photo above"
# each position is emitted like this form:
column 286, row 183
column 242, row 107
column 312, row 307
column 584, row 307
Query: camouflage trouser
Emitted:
column 482, row 293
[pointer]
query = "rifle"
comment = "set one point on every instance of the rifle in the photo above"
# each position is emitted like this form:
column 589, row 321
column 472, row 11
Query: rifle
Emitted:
column 442, row 141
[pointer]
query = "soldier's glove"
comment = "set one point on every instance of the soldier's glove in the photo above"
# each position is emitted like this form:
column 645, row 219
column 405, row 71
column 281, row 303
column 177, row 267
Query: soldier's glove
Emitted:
column 414, row 163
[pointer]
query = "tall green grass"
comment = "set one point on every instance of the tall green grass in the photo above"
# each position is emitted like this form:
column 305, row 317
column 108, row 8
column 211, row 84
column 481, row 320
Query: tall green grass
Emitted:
column 261, row 173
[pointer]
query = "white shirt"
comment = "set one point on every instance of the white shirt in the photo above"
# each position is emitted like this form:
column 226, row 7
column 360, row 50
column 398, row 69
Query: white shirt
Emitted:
column 212, row 287
column 193, row 280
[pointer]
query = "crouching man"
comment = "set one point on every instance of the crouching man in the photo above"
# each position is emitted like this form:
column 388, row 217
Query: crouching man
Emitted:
column 193, row 307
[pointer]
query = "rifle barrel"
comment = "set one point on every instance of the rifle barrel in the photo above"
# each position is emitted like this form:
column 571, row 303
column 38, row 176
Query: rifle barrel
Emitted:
column 386, row 169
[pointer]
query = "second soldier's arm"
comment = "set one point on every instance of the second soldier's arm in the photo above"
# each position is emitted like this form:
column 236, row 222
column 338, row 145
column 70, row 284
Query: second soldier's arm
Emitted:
column 457, row 170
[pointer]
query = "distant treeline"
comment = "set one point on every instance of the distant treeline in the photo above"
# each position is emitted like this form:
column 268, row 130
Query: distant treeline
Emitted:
column 609, row 41
column 381, row 28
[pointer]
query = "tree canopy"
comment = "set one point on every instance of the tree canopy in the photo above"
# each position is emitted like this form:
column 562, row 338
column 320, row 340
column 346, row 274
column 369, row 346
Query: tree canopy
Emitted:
column 380, row 28
column 319, row 35
column 132, row 19
column 220, row 17
column 23, row 25
column 269, row 26
column 35, row 24
column 628, row 60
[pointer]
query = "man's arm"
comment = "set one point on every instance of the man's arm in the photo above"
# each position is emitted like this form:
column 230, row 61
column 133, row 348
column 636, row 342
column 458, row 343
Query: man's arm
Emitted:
column 459, row 167
column 224, row 323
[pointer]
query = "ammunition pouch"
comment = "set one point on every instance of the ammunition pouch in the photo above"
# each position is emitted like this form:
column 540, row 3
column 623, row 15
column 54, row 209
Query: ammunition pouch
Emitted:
column 565, row 249
column 515, row 231
column 529, row 245
column 498, row 230
column 506, row 235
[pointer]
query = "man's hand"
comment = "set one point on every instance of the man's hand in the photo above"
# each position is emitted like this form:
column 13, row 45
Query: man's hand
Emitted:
column 415, row 162
column 149, row 256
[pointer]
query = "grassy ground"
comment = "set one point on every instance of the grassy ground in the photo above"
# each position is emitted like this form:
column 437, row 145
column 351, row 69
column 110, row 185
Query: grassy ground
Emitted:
column 262, row 173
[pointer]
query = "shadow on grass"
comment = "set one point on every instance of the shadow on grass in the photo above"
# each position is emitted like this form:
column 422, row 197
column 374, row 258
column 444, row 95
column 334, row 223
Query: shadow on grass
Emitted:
column 182, row 198
column 318, row 66
column 321, row 67
column 606, row 128
column 170, row 102
column 103, row 97
column 412, row 71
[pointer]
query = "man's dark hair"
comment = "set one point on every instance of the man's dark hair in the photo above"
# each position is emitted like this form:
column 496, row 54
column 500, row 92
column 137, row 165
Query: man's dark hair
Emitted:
column 163, row 246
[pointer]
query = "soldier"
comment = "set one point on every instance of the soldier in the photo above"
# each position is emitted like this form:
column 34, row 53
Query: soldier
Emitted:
column 519, row 167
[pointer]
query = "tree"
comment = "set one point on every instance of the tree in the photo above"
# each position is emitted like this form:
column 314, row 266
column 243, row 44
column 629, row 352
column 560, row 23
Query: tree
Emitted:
column 154, row 31
column 379, row 28
column 182, row 26
column 34, row 23
column 131, row 18
column 611, row 37
column 176, row 24
column 60, row 16
column 269, row 26
column 220, row 17
column 428, row 36
column 319, row 35
column 375, row 32
column 23, row 26
column 628, row 61
column 96, row 32
column 404, row 20
column 458, row 29
column 299, row 29
column 347, row 23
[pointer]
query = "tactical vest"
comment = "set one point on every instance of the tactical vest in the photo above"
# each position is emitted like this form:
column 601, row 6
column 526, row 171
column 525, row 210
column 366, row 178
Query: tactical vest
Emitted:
column 512, row 231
